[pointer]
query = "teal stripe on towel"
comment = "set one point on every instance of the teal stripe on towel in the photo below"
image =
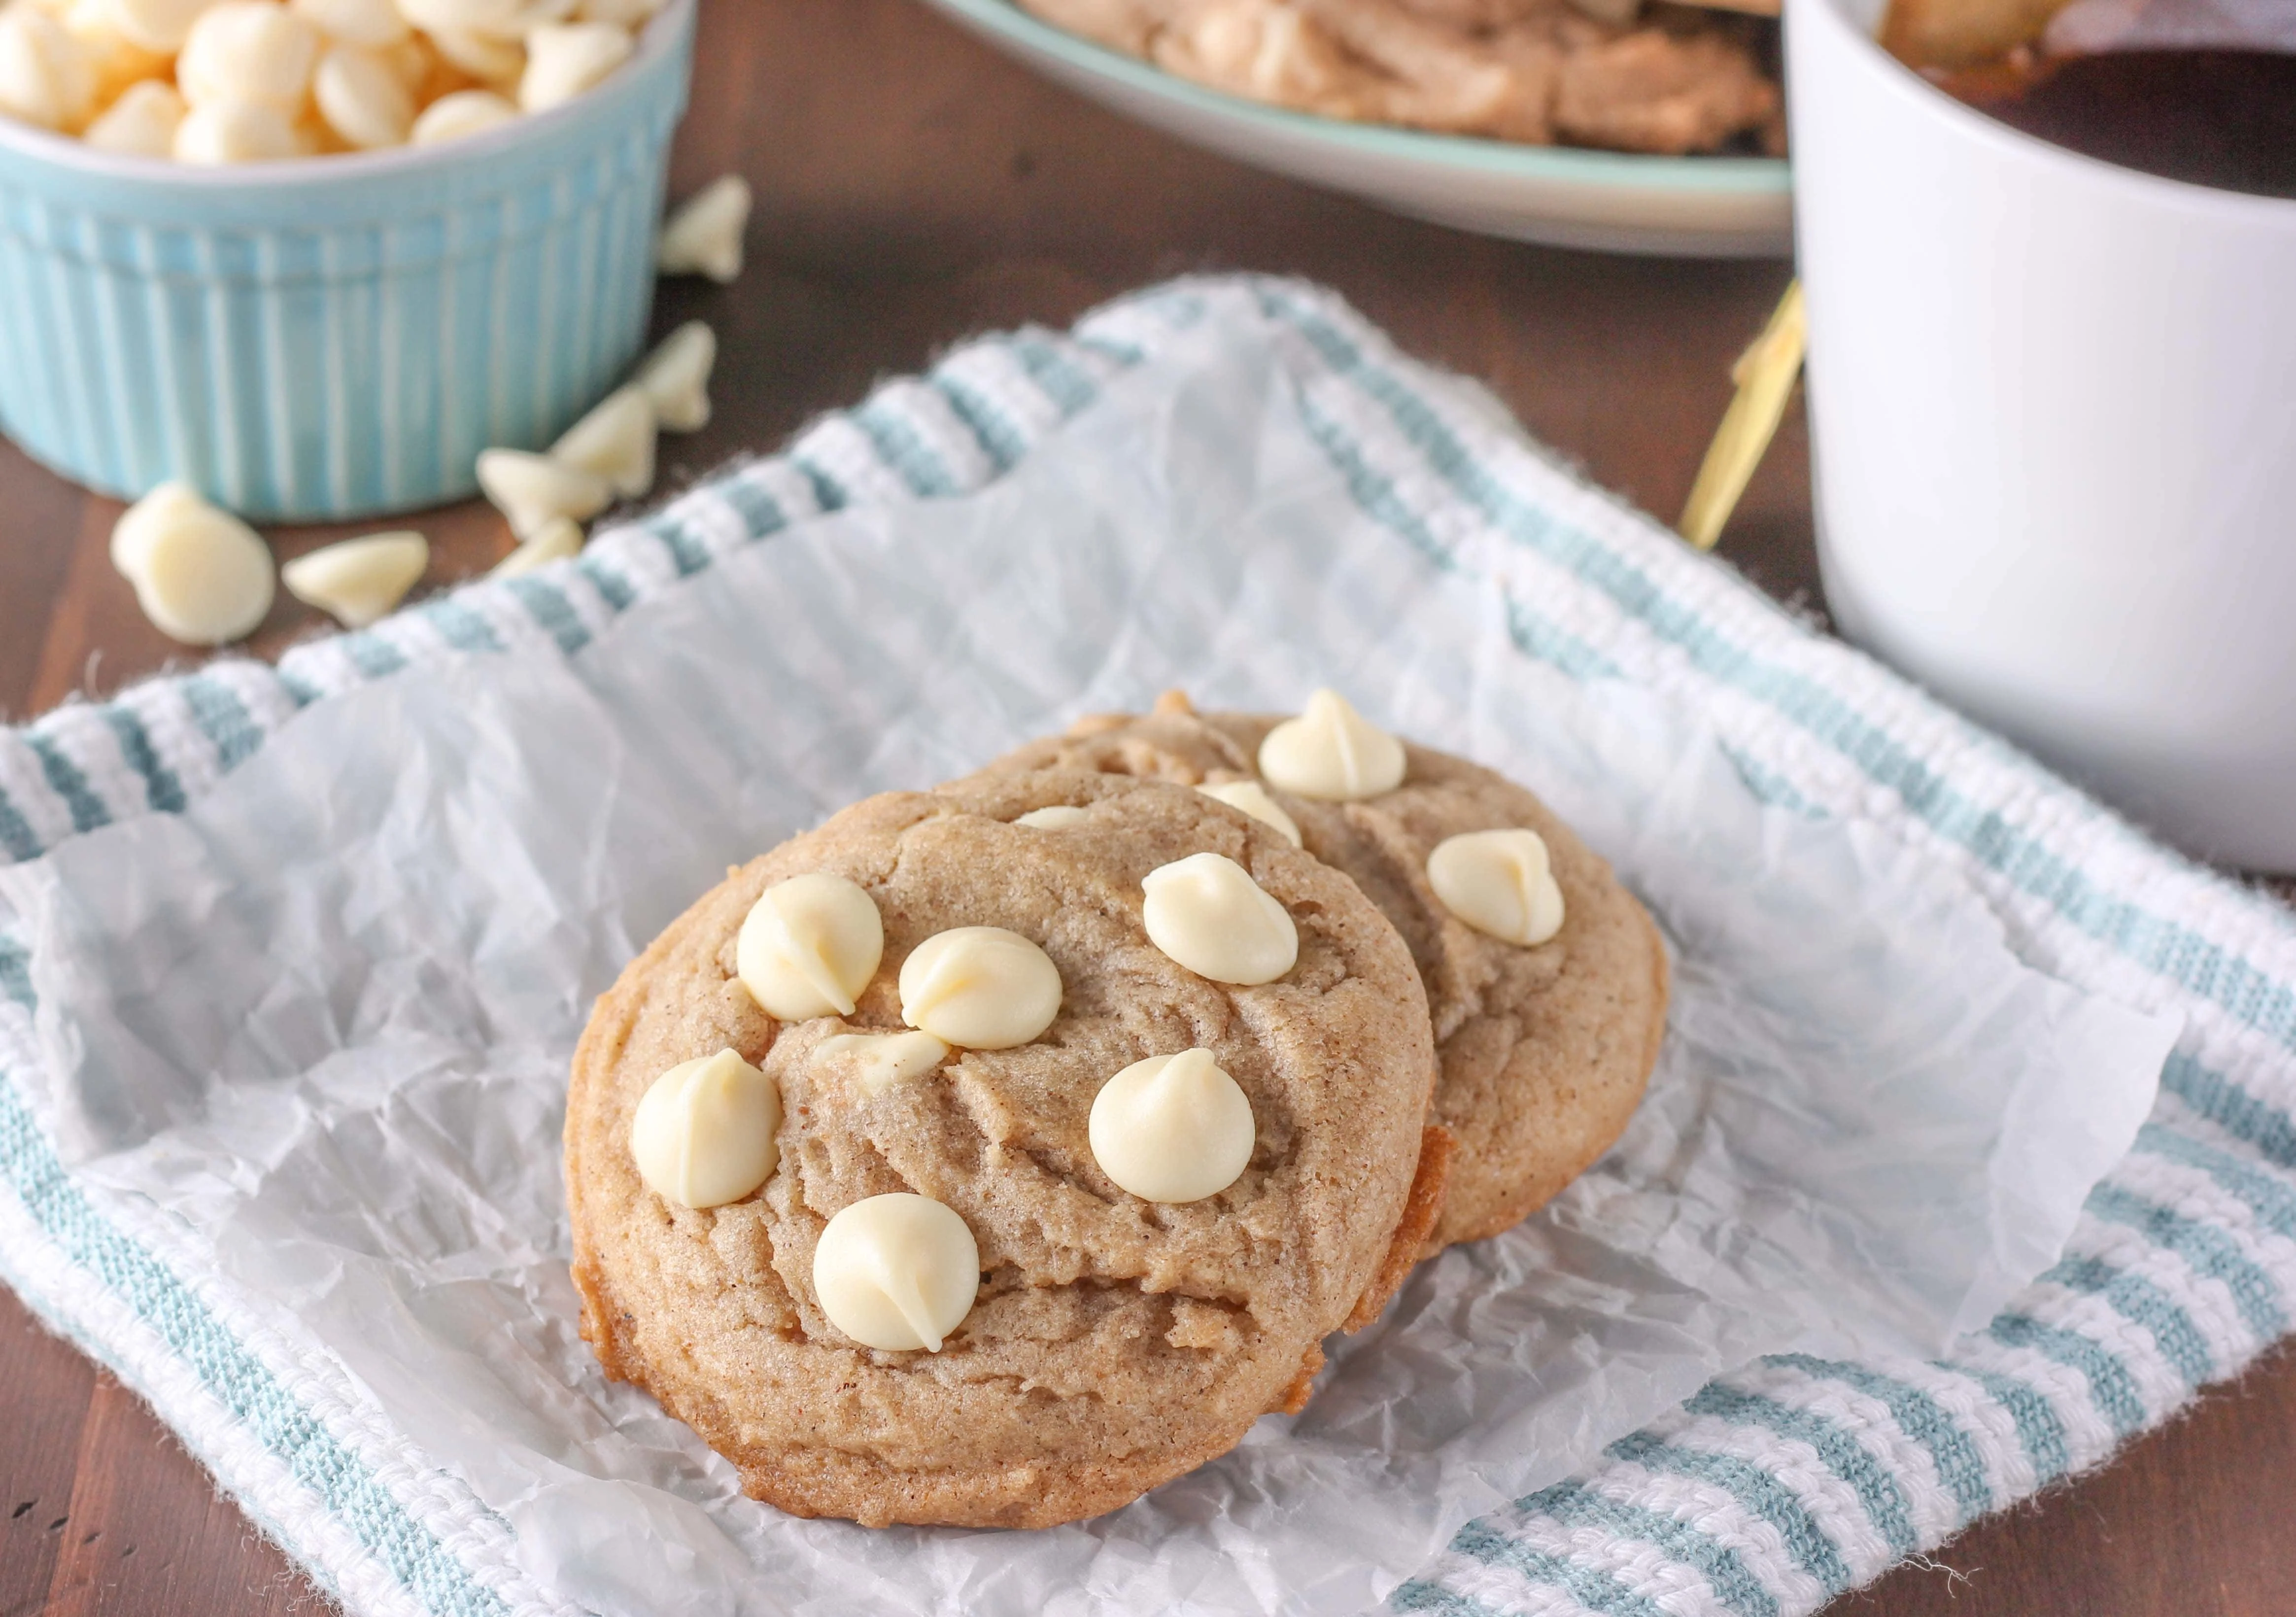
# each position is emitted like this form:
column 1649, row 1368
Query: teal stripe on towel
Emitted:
column 2232, row 1108
column 1878, row 1492
column 65, row 780
column 900, row 446
column 2144, row 1304
column 162, row 789
column 2209, row 1251
column 2272, row 1201
column 2111, row 1387
column 2039, row 1433
column 1419, row 1594
column 1761, row 1496
column 1590, row 1587
column 223, row 718
column 233, row 1376
column 1959, row 1466
column 1573, row 1504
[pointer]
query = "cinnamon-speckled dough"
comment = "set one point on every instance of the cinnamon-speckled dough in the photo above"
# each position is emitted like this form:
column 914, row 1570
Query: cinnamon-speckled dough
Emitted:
column 1115, row 1343
column 1545, row 1051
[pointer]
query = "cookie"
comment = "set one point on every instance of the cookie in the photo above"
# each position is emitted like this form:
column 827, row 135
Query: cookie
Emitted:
column 1545, row 1050
column 1112, row 1341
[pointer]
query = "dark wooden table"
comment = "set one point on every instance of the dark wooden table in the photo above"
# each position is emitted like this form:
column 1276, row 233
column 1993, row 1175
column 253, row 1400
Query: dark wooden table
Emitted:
column 913, row 187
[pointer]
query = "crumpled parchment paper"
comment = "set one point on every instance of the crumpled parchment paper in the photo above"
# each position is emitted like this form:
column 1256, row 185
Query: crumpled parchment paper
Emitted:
column 323, row 1017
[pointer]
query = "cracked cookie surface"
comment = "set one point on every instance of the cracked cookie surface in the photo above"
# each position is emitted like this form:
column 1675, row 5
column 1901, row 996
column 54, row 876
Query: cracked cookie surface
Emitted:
column 1545, row 1051
column 1115, row 1343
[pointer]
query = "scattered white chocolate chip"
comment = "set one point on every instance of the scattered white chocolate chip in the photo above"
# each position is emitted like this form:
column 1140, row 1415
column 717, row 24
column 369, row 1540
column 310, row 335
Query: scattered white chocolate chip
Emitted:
column 555, row 541
column 218, row 132
column 1330, row 752
column 201, row 575
column 1057, row 817
column 46, row 77
column 1208, row 913
column 896, row 1272
column 1249, row 797
column 373, row 23
column 142, row 123
column 460, row 116
column 1172, row 1127
column 980, row 987
column 156, row 25
column 615, row 440
column 563, row 60
column 140, row 523
column 531, row 489
column 676, row 377
column 879, row 1061
column 363, row 98
column 809, row 947
column 356, row 581
column 1500, row 883
column 248, row 49
column 703, row 1134
column 703, row 236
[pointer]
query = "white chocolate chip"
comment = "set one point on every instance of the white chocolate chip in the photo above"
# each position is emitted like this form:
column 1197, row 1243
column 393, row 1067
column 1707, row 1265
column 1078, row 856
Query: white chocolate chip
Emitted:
column 809, row 947
column 118, row 62
column 563, row 60
column 555, row 541
column 218, row 132
column 357, row 581
column 46, row 77
column 1249, row 797
column 248, row 49
column 896, row 1272
column 1172, row 1127
column 615, row 440
column 460, row 115
column 1330, row 752
column 497, row 18
column 156, row 25
column 1058, row 818
column 492, row 61
column 363, row 98
column 140, row 523
column 980, row 987
column 676, row 377
column 1500, row 883
column 201, row 575
column 531, row 489
column 879, row 1061
column 703, row 236
column 371, row 23
column 142, row 123
column 703, row 1134
column 1208, row 913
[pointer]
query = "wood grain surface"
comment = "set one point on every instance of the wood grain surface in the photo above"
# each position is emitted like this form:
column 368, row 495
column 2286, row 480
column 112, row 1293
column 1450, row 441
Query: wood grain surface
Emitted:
column 915, row 187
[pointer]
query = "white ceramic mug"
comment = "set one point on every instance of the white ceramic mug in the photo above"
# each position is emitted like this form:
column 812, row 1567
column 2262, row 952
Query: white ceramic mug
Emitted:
column 2054, row 407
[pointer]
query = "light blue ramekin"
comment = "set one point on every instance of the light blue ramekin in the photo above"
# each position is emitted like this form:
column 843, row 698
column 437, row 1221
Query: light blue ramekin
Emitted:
column 337, row 337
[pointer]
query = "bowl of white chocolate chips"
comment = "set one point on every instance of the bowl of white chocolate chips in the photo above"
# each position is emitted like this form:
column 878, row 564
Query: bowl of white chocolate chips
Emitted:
column 311, row 257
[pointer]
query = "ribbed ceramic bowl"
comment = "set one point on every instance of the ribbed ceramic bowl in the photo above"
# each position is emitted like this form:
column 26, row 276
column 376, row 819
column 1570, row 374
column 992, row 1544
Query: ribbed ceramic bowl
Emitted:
column 337, row 337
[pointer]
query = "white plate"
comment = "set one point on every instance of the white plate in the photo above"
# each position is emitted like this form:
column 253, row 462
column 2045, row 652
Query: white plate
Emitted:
column 1704, row 207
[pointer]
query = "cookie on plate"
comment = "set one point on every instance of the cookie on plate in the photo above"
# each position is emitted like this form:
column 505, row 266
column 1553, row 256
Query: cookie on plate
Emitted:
column 988, row 1156
column 1544, row 1046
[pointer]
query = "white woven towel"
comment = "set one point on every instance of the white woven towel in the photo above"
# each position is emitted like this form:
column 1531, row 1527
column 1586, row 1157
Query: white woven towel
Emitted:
column 1770, row 1490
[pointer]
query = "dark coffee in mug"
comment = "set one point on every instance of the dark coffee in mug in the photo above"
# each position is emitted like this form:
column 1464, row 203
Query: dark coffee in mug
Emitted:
column 2221, row 118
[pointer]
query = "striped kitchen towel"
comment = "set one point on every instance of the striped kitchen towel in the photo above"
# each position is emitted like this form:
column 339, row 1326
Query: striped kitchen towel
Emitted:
column 1775, row 1488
